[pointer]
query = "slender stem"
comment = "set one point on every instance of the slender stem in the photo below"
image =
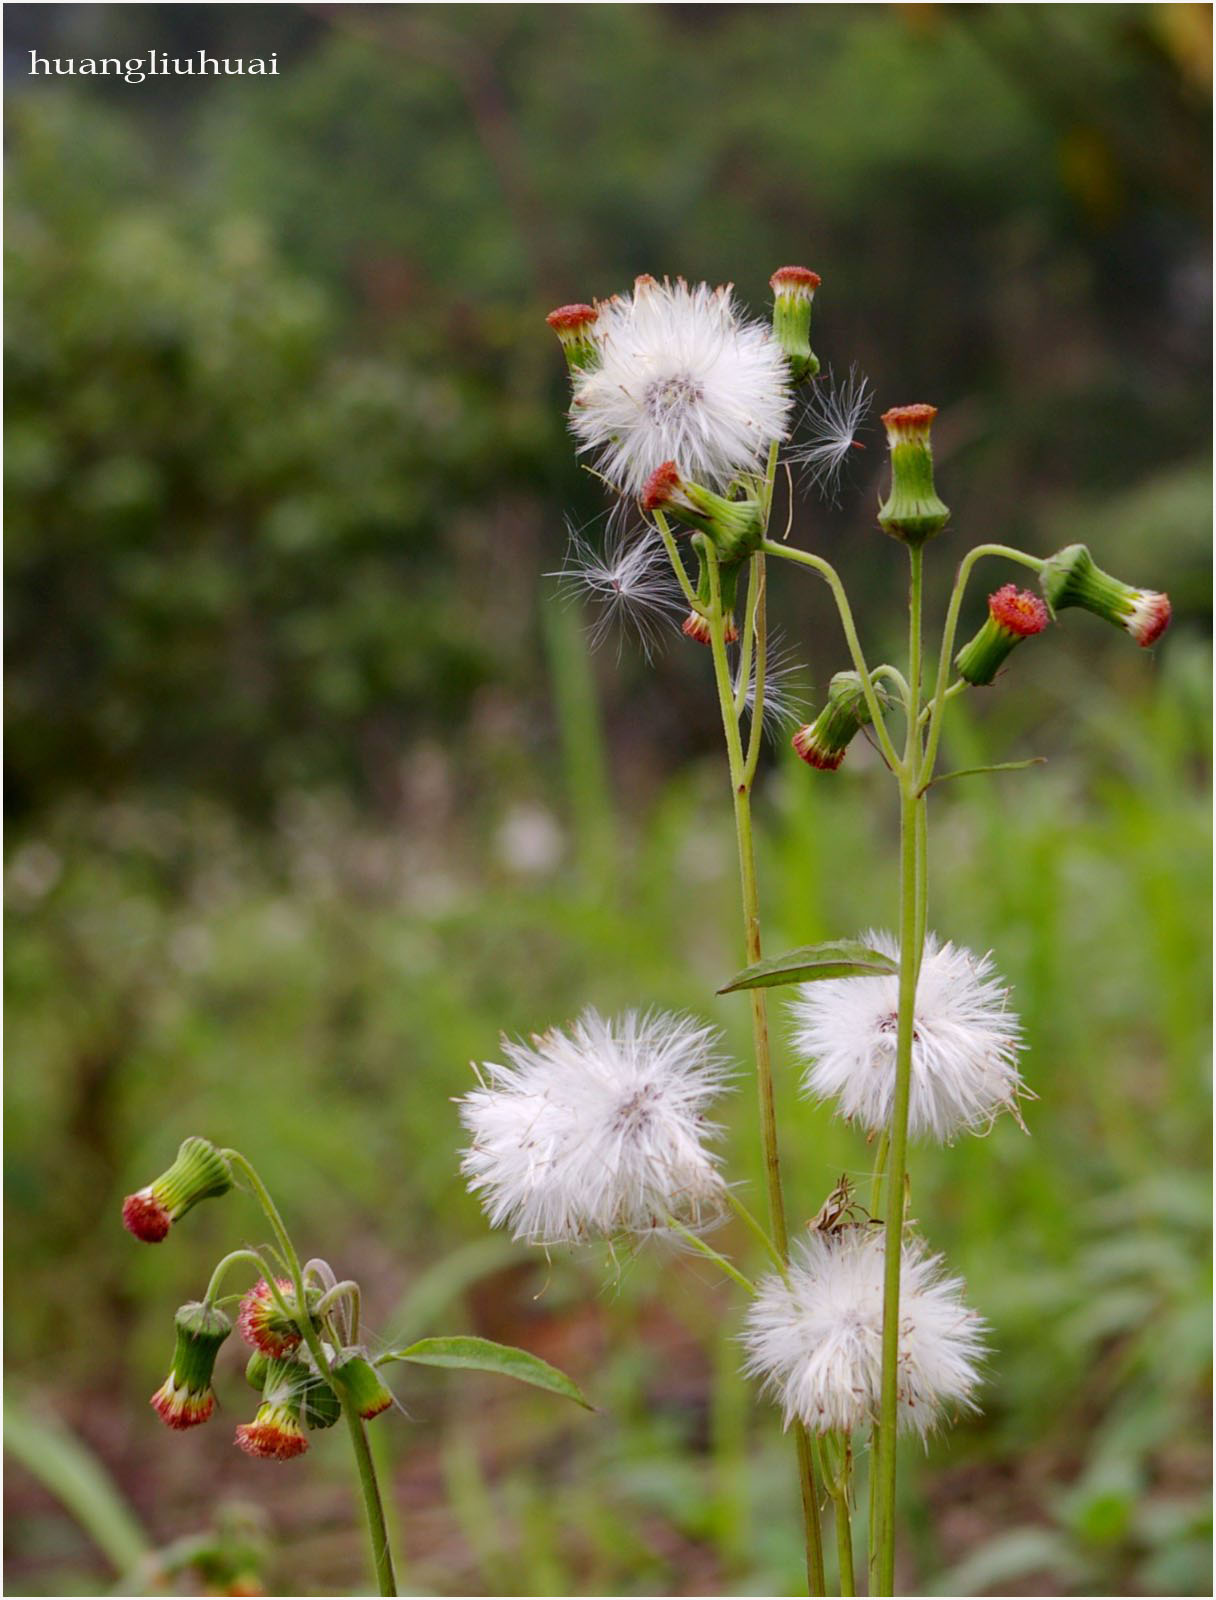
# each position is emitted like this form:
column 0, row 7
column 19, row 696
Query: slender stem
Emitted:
column 757, row 1230
column 382, row 1557
column 886, row 670
column 947, row 650
column 347, row 1290
column 741, row 797
column 910, row 835
column 756, row 737
column 673, row 555
column 221, row 1271
column 744, row 671
column 710, row 1254
column 922, row 876
column 838, row 1465
column 832, row 578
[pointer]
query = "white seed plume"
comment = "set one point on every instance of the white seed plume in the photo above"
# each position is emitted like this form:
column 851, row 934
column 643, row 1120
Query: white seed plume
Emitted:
column 630, row 583
column 784, row 704
column 965, row 1043
column 833, row 418
column 598, row 1130
column 682, row 377
column 816, row 1341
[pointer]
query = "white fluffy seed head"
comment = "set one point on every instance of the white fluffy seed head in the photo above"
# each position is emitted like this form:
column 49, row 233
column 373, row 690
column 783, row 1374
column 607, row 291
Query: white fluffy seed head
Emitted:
column 629, row 582
column 598, row 1130
column 682, row 377
column 816, row 1342
column 965, row 1043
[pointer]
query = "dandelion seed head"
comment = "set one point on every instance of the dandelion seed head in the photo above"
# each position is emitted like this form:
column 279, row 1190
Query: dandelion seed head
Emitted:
column 629, row 582
column 682, row 377
column 816, row 1341
column 834, row 414
column 965, row 1043
column 598, row 1130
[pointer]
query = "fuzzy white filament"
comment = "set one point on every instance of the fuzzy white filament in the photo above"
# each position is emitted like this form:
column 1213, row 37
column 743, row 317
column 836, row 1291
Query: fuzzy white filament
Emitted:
column 784, row 704
column 681, row 377
column 965, row 1043
column 816, row 1340
column 598, row 1130
column 834, row 415
column 630, row 583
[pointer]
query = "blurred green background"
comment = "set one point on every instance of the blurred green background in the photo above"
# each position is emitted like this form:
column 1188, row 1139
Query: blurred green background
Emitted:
column 313, row 787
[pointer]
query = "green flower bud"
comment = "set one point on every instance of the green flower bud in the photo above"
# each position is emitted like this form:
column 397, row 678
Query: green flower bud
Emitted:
column 1013, row 615
column 735, row 526
column 360, row 1384
column 1072, row 578
column 823, row 743
column 186, row 1397
column 575, row 327
column 912, row 511
column 793, row 293
column 199, row 1173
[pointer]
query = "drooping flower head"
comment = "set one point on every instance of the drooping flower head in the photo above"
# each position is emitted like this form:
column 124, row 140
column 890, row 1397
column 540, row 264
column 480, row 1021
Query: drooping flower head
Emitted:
column 275, row 1434
column 1072, row 578
column 263, row 1325
column 186, row 1397
column 965, row 1042
column 199, row 1172
column 816, row 1341
column 681, row 377
column 598, row 1129
column 824, row 742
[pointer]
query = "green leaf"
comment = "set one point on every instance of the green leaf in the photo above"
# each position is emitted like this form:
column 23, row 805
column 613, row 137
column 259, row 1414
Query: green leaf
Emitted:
column 839, row 958
column 1000, row 766
column 483, row 1355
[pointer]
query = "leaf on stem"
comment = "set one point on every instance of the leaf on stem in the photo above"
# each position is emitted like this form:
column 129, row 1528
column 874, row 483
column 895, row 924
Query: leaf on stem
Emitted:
column 999, row 766
column 838, row 958
column 483, row 1355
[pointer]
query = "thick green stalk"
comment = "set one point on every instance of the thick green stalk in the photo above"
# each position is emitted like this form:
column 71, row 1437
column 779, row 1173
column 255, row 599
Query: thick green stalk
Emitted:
column 741, row 797
column 382, row 1558
column 882, row 1547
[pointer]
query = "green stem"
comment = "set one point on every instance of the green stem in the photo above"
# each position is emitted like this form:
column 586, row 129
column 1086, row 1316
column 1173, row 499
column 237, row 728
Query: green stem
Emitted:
column 757, row 1229
column 832, row 578
column 910, row 879
column 673, row 555
column 756, row 736
column 947, row 651
column 710, row 1254
column 382, row 1557
column 221, row 1271
column 741, row 796
column 837, row 1457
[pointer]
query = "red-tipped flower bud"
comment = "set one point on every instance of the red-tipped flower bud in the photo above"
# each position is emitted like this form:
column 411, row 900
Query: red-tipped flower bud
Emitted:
column 574, row 325
column 735, row 526
column 361, row 1384
column 793, row 292
column 186, row 1397
column 263, row 1325
column 200, row 1172
column 1072, row 578
column 823, row 743
column 274, row 1434
column 1013, row 615
column 912, row 510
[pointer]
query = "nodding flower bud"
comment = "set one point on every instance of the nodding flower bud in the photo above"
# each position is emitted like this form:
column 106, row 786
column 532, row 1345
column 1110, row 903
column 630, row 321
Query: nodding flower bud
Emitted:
column 912, row 510
column 696, row 623
column 793, row 292
column 199, row 1173
column 1013, row 615
column 275, row 1434
column 263, row 1325
column 361, row 1384
column 735, row 526
column 186, row 1397
column 823, row 743
column 287, row 1381
column 575, row 327
column 1072, row 578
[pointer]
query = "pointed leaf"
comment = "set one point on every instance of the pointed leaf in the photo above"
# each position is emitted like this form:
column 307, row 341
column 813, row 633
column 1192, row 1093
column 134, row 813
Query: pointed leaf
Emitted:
column 838, row 958
column 999, row 766
column 483, row 1355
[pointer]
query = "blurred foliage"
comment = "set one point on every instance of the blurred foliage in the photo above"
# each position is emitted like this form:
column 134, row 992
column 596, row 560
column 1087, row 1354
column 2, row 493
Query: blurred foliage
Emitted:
column 313, row 790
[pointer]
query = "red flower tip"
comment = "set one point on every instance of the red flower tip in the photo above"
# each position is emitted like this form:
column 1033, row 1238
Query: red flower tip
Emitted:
column 911, row 417
column 182, row 1408
column 260, row 1321
column 644, row 281
column 568, row 318
column 271, row 1441
column 145, row 1217
column 791, row 279
column 1151, row 616
column 660, row 486
column 697, row 628
column 814, row 756
column 1018, row 610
